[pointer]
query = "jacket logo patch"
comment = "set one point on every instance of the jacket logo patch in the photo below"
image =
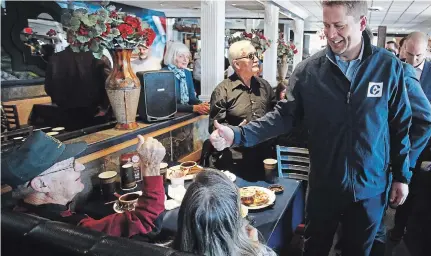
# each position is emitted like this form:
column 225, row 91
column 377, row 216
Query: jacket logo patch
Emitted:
column 375, row 90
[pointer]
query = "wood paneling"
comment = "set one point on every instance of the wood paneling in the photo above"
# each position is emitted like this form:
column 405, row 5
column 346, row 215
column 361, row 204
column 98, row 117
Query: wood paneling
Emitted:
column 25, row 106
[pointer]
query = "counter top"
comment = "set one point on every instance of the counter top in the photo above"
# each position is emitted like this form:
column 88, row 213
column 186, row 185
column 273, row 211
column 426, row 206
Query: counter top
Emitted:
column 105, row 139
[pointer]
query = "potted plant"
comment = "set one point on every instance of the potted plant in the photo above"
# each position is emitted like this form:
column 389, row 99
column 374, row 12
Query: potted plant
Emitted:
column 285, row 52
column 257, row 39
column 119, row 32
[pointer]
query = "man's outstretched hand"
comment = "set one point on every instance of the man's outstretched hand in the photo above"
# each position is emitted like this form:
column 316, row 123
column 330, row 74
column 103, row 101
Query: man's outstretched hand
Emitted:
column 221, row 137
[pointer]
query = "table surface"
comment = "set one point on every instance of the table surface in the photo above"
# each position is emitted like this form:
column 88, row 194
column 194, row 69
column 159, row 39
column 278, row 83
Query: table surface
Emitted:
column 265, row 220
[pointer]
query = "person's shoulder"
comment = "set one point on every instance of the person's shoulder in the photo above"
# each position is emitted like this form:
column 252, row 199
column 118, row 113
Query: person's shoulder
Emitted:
column 314, row 60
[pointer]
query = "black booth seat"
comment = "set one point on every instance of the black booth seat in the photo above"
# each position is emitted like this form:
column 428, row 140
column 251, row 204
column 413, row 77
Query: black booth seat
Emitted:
column 23, row 234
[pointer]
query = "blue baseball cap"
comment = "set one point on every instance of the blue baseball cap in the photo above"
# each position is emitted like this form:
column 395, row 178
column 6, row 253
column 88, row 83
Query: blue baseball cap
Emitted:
column 37, row 154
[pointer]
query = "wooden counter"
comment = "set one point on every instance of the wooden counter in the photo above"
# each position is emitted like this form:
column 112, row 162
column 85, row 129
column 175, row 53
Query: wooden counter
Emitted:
column 107, row 142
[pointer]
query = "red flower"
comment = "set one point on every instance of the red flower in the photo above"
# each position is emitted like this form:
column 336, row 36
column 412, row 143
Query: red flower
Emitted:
column 82, row 31
column 132, row 21
column 108, row 29
column 125, row 30
column 28, row 30
column 151, row 35
column 113, row 14
column 51, row 32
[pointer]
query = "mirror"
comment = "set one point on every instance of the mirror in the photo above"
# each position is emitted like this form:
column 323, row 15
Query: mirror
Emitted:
column 43, row 36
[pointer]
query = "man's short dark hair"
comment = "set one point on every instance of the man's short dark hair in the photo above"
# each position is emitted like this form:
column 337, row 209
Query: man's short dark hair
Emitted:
column 393, row 42
column 357, row 9
column 402, row 41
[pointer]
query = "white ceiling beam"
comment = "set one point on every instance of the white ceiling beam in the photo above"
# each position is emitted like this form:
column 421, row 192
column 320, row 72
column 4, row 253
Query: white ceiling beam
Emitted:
column 288, row 7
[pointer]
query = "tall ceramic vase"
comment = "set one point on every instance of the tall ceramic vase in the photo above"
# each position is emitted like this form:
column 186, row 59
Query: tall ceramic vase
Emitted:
column 282, row 68
column 123, row 89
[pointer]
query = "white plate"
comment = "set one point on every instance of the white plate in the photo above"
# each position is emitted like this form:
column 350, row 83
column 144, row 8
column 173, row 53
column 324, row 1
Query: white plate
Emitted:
column 177, row 167
column 230, row 175
column 271, row 199
column 116, row 206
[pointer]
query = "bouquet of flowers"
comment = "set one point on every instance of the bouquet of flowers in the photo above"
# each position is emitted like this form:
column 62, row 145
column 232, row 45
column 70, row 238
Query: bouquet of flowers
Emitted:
column 106, row 28
column 257, row 39
column 285, row 51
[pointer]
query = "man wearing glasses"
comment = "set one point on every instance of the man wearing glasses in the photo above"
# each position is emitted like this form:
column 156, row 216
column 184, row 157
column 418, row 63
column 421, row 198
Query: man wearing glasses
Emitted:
column 46, row 177
column 241, row 98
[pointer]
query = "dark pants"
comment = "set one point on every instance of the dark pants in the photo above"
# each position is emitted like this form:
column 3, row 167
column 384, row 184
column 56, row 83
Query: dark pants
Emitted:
column 360, row 221
column 404, row 211
column 418, row 236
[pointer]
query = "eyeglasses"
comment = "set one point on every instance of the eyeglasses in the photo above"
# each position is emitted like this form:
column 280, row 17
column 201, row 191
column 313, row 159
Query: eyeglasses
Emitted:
column 250, row 56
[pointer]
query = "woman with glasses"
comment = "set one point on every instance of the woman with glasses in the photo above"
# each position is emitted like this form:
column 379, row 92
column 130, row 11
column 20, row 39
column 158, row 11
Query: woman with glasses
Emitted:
column 176, row 59
column 241, row 98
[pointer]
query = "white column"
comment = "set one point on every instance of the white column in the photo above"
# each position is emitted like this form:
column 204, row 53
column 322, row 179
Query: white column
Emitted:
column 251, row 24
column 170, row 29
column 298, row 41
column 213, row 44
column 271, row 32
column 286, row 32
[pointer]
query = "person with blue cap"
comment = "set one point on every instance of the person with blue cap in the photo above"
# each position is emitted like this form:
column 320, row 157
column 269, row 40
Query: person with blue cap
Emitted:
column 46, row 177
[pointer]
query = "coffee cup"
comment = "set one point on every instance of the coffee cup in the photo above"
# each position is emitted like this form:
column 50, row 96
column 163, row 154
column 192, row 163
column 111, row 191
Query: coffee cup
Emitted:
column 107, row 183
column 164, row 170
column 127, row 176
column 269, row 165
column 127, row 202
column 186, row 166
column 177, row 182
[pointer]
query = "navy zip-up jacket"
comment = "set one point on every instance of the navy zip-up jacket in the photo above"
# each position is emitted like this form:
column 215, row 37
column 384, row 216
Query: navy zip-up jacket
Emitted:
column 355, row 128
column 420, row 131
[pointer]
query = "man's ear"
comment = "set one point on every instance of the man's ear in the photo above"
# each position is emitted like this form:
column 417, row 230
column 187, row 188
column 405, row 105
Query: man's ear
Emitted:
column 235, row 64
column 39, row 185
column 363, row 22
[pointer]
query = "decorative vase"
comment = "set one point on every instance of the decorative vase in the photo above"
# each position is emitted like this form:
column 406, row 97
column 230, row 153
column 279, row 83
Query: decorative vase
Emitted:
column 282, row 68
column 123, row 89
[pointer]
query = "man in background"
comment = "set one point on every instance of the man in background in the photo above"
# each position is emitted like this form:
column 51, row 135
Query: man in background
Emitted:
column 415, row 51
column 241, row 98
column 145, row 61
column 75, row 81
column 392, row 46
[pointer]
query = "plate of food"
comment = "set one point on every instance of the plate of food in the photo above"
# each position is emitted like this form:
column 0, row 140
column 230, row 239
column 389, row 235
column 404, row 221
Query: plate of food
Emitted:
column 188, row 174
column 255, row 198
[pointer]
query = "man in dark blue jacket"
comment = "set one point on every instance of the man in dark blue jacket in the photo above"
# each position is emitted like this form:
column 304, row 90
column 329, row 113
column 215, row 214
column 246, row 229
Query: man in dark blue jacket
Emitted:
column 353, row 100
column 415, row 51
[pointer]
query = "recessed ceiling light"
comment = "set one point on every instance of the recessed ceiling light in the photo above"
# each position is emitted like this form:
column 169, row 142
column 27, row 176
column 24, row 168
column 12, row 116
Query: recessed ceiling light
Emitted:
column 403, row 29
column 375, row 9
column 233, row 4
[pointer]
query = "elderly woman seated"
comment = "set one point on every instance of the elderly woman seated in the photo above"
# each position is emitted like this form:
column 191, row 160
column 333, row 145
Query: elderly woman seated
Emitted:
column 46, row 177
column 210, row 222
column 176, row 60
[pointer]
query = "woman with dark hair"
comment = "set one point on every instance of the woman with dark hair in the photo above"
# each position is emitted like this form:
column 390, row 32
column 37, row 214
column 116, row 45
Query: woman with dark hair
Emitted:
column 210, row 222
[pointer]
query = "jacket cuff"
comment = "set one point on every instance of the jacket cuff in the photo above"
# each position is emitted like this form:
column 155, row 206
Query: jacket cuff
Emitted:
column 152, row 183
column 237, row 135
column 403, row 177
